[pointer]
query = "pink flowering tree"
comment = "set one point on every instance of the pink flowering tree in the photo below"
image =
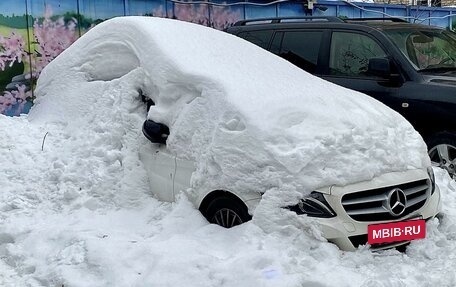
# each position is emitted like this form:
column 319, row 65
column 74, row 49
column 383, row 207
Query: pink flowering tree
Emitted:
column 198, row 14
column 223, row 17
column 15, row 99
column 217, row 17
column 51, row 37
column 12, row 52
column 12, row 49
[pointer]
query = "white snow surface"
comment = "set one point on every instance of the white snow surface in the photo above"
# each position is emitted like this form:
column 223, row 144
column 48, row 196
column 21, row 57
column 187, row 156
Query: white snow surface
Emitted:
column 71, row 215
column 250, row 119
column 76, row 209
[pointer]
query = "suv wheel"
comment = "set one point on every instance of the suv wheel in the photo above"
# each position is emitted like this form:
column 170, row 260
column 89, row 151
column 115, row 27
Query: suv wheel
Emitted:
column 442, row 151
column 227, row 212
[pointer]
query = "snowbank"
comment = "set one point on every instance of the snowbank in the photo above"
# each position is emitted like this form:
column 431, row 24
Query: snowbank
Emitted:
column 53, row 234
column 75, row 207
column 259, row 121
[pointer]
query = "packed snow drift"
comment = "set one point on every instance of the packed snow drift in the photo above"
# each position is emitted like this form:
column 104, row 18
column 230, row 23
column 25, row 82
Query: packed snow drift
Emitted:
column 75, row 204
column 230, row 106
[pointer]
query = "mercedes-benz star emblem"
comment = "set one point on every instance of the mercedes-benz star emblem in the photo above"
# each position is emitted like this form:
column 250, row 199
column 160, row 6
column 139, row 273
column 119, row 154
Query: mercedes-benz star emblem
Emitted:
column 397, row 202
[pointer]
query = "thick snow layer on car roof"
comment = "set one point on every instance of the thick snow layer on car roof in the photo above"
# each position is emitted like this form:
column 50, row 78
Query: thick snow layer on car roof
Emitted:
column 255, row 119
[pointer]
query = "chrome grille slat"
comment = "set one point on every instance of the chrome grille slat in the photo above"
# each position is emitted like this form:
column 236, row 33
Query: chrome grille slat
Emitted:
column 416, row 200
column 413, row 190
column 372, row 205
column 368, row 211
column 365, row 199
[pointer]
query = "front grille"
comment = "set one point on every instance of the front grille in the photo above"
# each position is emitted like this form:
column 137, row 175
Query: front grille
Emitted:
column 372, row 205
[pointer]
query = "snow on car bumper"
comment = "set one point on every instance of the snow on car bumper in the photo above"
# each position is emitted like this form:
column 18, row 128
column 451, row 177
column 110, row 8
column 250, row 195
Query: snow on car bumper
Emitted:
column 348, row 234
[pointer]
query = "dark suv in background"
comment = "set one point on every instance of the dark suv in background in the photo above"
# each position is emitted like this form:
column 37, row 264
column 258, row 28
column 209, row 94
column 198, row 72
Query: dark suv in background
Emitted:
column 409, row 67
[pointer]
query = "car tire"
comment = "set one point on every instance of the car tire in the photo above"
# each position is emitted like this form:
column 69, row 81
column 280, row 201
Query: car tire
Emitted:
column 227, row 212
column 442, row 151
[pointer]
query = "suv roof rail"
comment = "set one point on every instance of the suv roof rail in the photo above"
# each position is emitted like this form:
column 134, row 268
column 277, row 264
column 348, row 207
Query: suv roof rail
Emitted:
column 387, row 19
column 287, row 20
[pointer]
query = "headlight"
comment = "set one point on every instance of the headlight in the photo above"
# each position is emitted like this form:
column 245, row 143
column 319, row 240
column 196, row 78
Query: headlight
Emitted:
column 432, row 178
column 314, row 205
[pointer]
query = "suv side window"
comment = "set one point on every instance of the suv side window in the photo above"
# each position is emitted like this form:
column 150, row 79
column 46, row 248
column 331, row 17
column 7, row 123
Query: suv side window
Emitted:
column 350, row 54
column 301, row 48
column 260, row 38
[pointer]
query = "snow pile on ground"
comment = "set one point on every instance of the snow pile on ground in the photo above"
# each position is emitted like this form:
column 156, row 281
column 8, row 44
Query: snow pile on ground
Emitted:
column 75, row 206
column 70, row 215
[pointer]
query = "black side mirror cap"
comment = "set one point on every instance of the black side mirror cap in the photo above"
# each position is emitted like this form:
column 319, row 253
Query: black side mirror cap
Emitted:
column 380, row 67
column 155, row 132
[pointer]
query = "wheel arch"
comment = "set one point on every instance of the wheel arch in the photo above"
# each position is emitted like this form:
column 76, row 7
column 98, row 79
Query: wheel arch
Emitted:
column 208, row 198
column 443, row 157
column 442, row 133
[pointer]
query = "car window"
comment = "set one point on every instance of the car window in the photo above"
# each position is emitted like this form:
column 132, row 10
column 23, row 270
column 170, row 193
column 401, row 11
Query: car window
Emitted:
column 260, row 38
column 276, row 43
column 301, row 48
column 350, row 53
column 426, row 49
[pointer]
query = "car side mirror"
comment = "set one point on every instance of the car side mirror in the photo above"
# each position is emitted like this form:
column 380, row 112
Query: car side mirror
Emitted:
column 155, row 132
column 379, row 67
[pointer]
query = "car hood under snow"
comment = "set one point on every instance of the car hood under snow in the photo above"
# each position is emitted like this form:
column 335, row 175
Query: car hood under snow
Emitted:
column 250, row 119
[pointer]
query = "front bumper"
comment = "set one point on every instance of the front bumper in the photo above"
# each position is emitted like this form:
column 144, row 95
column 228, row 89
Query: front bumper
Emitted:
column 349, row 234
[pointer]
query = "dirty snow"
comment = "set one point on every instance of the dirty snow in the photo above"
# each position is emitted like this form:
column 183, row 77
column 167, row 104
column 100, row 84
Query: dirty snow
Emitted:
column 75, row 205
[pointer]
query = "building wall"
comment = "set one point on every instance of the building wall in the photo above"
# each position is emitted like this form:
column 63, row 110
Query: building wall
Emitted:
column 429, row 3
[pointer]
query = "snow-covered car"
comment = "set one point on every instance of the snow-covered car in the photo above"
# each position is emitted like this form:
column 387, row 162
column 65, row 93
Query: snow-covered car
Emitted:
column 242, row 132
column 345, row 212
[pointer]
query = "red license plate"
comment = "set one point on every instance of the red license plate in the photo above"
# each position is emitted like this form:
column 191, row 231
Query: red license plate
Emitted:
column 396, row 231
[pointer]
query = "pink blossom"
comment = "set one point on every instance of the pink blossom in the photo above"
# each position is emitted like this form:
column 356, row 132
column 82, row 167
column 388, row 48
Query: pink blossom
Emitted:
column 16, row 97
column 223, row 17
column 11, row 50
column 192, row 13
column 204, row 14
column 52, row 37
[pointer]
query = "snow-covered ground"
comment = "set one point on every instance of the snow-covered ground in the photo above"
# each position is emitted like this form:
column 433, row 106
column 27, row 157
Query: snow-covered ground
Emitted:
column 76, row 209
column 71, row 215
